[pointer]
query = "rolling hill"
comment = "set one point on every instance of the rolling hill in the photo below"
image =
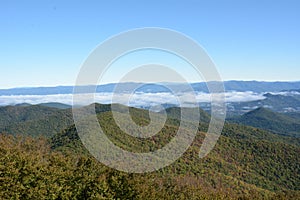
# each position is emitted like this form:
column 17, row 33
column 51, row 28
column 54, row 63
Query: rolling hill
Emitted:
column 255, row 159
column 34, row 120
column 55, row 105
column 246, row 163
column 278, row 123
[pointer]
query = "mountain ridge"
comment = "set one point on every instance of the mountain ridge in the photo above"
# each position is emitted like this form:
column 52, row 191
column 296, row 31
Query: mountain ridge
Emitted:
column 240, row 86
column 246, row 163
column 267, row 119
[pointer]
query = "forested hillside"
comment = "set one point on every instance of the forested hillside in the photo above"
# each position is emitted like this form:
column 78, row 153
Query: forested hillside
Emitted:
column 279, row 123
column 246, row 163
column 34, row 120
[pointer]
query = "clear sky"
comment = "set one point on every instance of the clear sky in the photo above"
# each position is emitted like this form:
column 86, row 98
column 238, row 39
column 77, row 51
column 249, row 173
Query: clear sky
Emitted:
column 45, row 42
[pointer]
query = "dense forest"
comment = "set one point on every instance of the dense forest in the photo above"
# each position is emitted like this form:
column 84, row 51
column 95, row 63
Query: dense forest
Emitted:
column 279, row 123
column 246, row 163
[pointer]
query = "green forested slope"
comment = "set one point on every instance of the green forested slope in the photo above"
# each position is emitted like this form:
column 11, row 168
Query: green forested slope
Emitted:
column 15, row 114
column 245, row 158
column 266, row 119
column 34, row 120
column 246, row 163
column 39, row 120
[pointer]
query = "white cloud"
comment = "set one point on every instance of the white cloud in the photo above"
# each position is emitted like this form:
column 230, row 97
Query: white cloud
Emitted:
column 243, row 96
column 137, row 99
column 35, row 99
column 286, row 93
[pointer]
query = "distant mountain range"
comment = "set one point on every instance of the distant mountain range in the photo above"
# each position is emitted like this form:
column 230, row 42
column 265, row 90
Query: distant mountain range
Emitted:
column 283, row 102
column 240, row 86
column 282, row 97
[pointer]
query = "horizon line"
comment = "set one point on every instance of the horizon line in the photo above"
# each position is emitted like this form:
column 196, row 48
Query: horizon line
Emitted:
column 192, row 82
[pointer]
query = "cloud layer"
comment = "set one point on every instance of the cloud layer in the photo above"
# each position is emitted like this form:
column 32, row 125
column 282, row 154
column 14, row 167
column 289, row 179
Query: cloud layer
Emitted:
column 136, row 99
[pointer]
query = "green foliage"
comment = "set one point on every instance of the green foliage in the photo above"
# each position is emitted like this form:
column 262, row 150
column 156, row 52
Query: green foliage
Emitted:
column 29, row 170
column 34, row 120
column 246, row 163
column 55, row 105
column 269, row 120
column 175, row 113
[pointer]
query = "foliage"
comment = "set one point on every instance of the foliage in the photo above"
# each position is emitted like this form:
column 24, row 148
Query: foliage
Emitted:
column 246, row 163
column 34, row 120
column 272, row 121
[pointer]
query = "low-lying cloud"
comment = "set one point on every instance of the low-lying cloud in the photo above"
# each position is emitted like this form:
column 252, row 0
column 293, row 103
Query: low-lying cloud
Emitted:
column 136, row 99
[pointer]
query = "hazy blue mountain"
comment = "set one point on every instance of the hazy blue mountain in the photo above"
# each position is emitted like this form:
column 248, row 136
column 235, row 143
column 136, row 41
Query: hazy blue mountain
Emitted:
column 260, row 87
column 37, row 90
column 241, row 86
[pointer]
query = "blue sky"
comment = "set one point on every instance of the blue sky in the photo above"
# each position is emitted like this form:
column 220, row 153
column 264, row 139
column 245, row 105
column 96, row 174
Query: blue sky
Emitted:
column 44, row 43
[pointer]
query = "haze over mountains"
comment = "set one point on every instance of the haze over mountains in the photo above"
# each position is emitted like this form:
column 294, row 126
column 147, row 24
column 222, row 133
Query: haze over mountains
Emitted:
column 239, row 86
column 241, row 96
